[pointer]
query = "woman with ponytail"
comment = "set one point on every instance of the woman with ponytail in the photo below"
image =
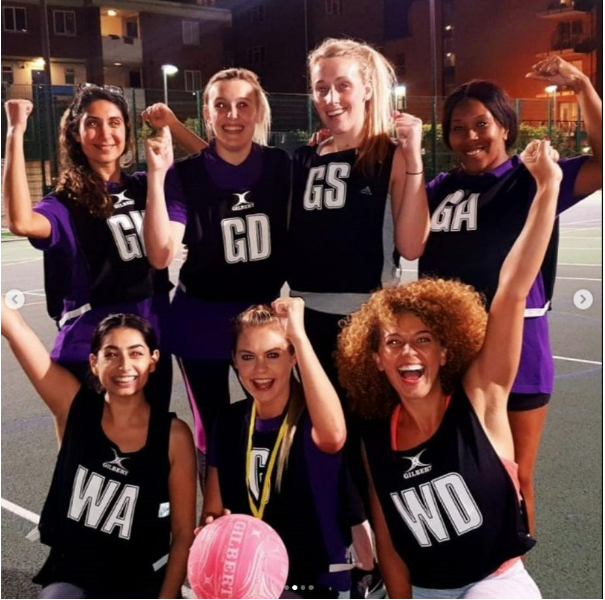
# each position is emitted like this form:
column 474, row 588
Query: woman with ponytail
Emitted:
column 278, row 456
column 340, row 189
column 90, row 227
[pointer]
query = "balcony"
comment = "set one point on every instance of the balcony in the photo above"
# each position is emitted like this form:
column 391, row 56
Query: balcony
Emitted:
column 574, row 43
column 121, row 49
column 572, row 9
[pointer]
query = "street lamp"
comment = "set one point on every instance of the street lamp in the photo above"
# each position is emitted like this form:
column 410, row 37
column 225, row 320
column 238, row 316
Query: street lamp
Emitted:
column 167, row 70
column 400, row 98
column 552, row 89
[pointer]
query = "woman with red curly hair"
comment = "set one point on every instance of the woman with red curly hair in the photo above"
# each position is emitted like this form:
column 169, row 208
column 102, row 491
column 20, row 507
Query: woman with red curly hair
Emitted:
column 431, row 371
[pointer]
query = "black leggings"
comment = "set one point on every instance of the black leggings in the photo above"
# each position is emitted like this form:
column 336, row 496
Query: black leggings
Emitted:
column 322, row 330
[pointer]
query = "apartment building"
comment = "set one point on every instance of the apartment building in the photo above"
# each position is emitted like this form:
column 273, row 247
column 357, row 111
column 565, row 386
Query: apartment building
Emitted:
column 493, row 39
column 120, row 42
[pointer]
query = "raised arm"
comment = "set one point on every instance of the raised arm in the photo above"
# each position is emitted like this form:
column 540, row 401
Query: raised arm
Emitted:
column 489, row 379
column 55, row 384
column 559, row 72
column 329, row 430
column 162, row 236
column 159, row 115
column 408, row 191
column 182, row 487
column 22, row 220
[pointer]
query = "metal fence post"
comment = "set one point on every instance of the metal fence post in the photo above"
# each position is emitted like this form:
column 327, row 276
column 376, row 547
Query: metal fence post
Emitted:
column 579, row 131
column 198, row 112
column 135, row 131
column 518, row 109
column 434, row 138
column 550, row 118
column 54, row 164
column 38, row 121
column 309, row 115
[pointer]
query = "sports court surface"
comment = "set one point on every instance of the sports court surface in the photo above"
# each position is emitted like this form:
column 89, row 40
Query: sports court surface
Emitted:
column 566, row 563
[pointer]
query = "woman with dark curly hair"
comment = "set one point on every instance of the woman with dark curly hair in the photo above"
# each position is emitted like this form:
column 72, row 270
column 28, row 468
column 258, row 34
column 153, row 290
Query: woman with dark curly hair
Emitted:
column 90, row 227
column 432, row 373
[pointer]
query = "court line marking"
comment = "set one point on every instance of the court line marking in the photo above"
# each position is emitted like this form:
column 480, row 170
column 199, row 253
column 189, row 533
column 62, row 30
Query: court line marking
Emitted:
column 20, row 262
column 580, row 264
column 570, row 229
column 580, row 278
column 581, row 222
column 578, row 248
column 579, row 360
column 28, row 515
column 580, row 237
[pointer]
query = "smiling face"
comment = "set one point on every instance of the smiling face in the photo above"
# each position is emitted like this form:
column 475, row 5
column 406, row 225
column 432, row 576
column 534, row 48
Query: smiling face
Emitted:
column 232, row 112
column 102, row 134
column 123, row 362
column 478, row 140
column 340, row 94
column 410, row 356
column 264, row 362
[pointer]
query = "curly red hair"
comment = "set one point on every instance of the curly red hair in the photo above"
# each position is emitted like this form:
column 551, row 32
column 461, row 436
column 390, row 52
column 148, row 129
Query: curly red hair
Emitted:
column 454, row 312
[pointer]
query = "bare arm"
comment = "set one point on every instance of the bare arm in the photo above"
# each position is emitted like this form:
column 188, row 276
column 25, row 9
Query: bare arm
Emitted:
column 394, row 571
column 329, row 430
column 162, row 237
column 159, row 115
column 408, row 189
column 489, row 379
column 559, row 72
column 182, row 485
column 22, row 220
column 213, row 503
column 56, row 385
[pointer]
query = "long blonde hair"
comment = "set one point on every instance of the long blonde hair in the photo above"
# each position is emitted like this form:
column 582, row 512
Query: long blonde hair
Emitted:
column 259, row 316
column 262, row 128
column 377, row 72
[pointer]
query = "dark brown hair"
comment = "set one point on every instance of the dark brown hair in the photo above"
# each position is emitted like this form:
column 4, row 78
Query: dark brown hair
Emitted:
column 77, row 181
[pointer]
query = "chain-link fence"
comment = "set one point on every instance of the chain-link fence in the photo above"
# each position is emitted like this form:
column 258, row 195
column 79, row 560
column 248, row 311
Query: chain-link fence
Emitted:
column 293, row 121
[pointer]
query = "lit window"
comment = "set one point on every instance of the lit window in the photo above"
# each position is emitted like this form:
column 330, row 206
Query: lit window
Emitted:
column 64, row 22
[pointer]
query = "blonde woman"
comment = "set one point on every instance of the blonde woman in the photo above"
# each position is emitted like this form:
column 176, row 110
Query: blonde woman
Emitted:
column 340, row 188
column 278, row 456
column 229, row 205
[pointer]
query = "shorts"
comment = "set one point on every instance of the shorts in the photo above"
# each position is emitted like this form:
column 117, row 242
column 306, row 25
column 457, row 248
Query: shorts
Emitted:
column 520, row 402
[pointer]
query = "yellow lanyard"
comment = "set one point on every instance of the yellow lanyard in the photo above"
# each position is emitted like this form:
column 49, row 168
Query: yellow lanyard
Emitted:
column 264, row 497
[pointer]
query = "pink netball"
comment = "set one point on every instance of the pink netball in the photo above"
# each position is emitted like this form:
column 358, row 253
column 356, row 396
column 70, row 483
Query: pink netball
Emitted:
column 238, row 556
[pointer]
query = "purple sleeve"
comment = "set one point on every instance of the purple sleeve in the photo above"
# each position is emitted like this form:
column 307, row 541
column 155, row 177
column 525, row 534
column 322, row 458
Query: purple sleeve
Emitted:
column 176, row 203
column 61, row 230
column 433, row 185
column 570, row 167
